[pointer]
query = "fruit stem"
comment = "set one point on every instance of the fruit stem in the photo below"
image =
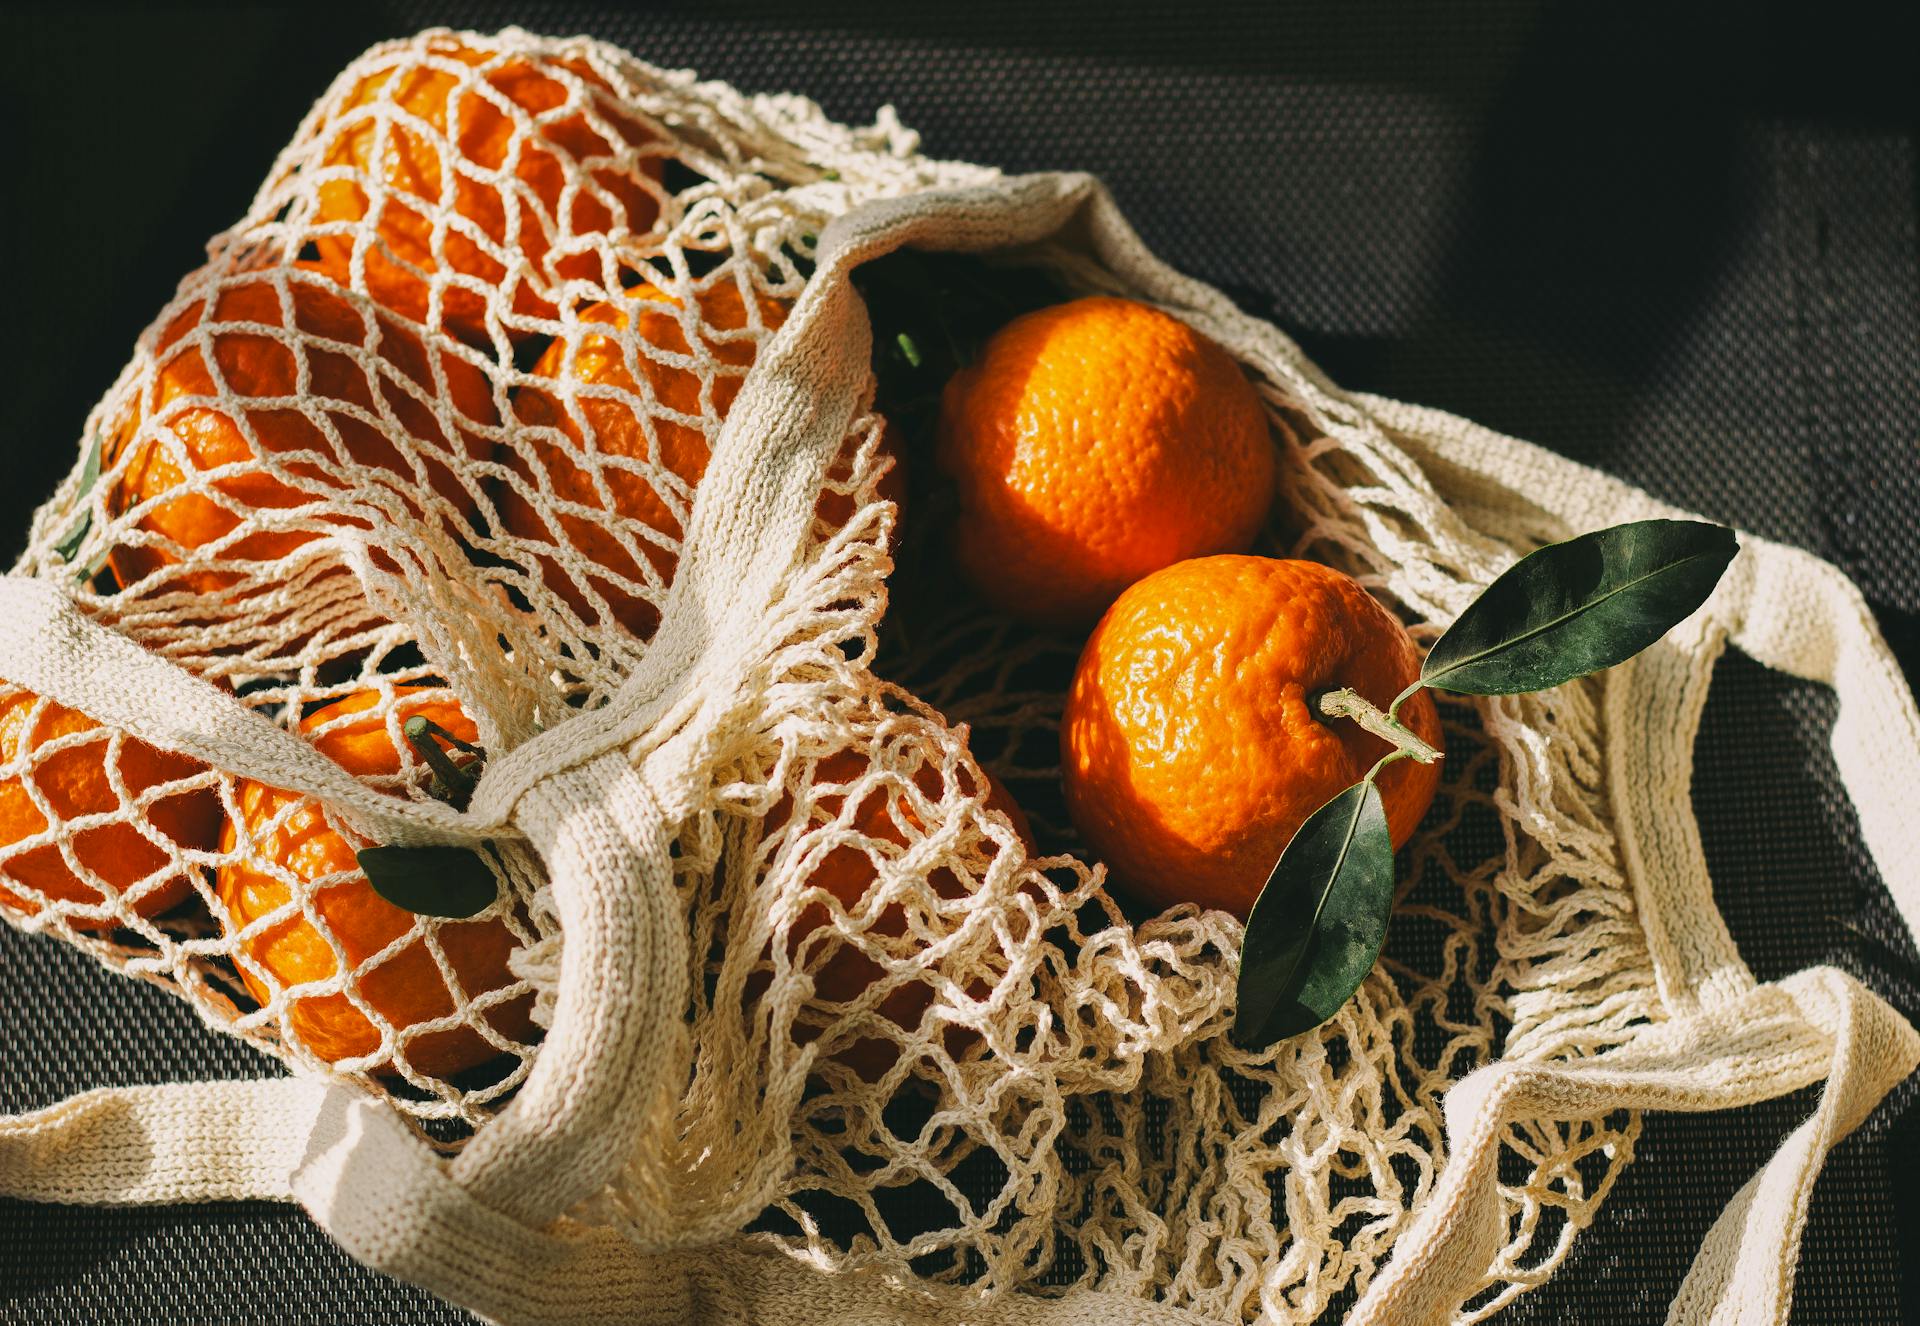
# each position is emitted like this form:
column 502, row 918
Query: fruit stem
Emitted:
column 1393, row 710
column 1383, row 762
column 454, row 783
column 1347, row 703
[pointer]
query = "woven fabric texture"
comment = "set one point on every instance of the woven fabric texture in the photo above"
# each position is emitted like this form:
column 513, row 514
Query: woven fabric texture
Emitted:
column 1742, row 392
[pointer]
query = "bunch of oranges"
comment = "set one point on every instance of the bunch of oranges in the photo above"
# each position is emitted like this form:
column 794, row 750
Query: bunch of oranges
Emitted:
column 543, row 166
column 1109, row 469
column 1112, row 463
column 546, row 172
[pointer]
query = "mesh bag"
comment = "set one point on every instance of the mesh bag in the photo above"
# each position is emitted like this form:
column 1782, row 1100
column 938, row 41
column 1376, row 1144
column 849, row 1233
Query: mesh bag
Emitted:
column 532, row 397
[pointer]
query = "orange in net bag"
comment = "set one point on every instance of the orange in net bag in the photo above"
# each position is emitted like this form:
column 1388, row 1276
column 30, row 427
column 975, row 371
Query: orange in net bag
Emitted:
column 1095, row 441
column 298, row 892
column 687, row 743
column 633, row 449
column 271, row 457
column 68, row 768
column 844, row 878
column 1185, row 811
column 539, row 159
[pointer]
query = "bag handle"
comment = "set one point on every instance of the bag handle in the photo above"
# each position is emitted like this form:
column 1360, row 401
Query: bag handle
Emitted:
column 394, row 1206
column 1788, row 610
column 1802, row 616
column 1781, row 606
column 51, row 647
column 1819, row 1023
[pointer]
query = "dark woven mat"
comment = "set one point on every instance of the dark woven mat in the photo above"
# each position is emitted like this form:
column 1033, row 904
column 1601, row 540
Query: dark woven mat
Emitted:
column 1685, row 254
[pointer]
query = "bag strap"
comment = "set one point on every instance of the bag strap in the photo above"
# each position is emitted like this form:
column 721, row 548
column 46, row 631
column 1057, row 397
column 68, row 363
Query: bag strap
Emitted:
column 394, row 1207
column 1800, row 615
column 1781, row 606
column 51, row 647
column 1730, row 1041
column 176, row 1142
column 1774, row 1039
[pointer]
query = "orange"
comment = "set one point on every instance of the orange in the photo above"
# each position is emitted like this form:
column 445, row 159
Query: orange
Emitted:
column 434, row 114
column 667, row 421
column 1092, row 443
column 203, row 347
column 847, row 873
column 1189, row 750
column 291, row 837
column 75, row 781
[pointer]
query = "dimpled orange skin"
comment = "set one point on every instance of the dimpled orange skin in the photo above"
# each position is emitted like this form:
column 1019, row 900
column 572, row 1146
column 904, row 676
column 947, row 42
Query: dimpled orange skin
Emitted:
column 75, row 782
column 1093, row 443
column 653, row 317
column 847, row 873
column 1189, row 753
column 481, row 134
column 254, row 365
column 407, row 988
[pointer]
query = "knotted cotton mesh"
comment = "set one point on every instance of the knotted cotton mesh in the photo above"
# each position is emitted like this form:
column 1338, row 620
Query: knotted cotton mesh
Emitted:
column 424, row 436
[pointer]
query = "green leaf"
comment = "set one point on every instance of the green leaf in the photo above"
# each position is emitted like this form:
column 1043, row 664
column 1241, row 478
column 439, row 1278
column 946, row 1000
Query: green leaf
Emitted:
column 1316, row 928
column 69, row 547
column 1576, row 607
column 453, row 882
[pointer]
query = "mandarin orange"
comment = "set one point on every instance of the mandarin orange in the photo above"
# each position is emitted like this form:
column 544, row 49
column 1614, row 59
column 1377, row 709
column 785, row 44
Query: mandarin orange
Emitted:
column 445, row 127
column 296, row 852
column 847, row 873
column 78, row 780
column 204, row 348
column 1092, row 443
column 642, row 452
column 1190, row 750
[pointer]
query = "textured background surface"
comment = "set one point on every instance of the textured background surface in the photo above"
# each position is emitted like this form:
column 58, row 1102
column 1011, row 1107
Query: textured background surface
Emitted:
column 1683, row 253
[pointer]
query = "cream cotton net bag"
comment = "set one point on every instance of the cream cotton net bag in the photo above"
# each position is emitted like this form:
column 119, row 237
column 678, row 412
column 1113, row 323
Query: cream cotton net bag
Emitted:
column 1029, row 1111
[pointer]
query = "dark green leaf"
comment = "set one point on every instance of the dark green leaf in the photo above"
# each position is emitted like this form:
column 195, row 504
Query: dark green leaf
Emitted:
column 1317, row 926
column 69, row 547
column 430, row 881
column 1576, row 607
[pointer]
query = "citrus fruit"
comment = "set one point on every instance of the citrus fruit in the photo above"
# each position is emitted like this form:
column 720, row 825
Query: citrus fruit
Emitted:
column 1092, row 443
column 643, row 450
column 77, row 780
column 297, row 857
column 846, row 873
column 1189, row 749
column 507, row 143
column 276, row 414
